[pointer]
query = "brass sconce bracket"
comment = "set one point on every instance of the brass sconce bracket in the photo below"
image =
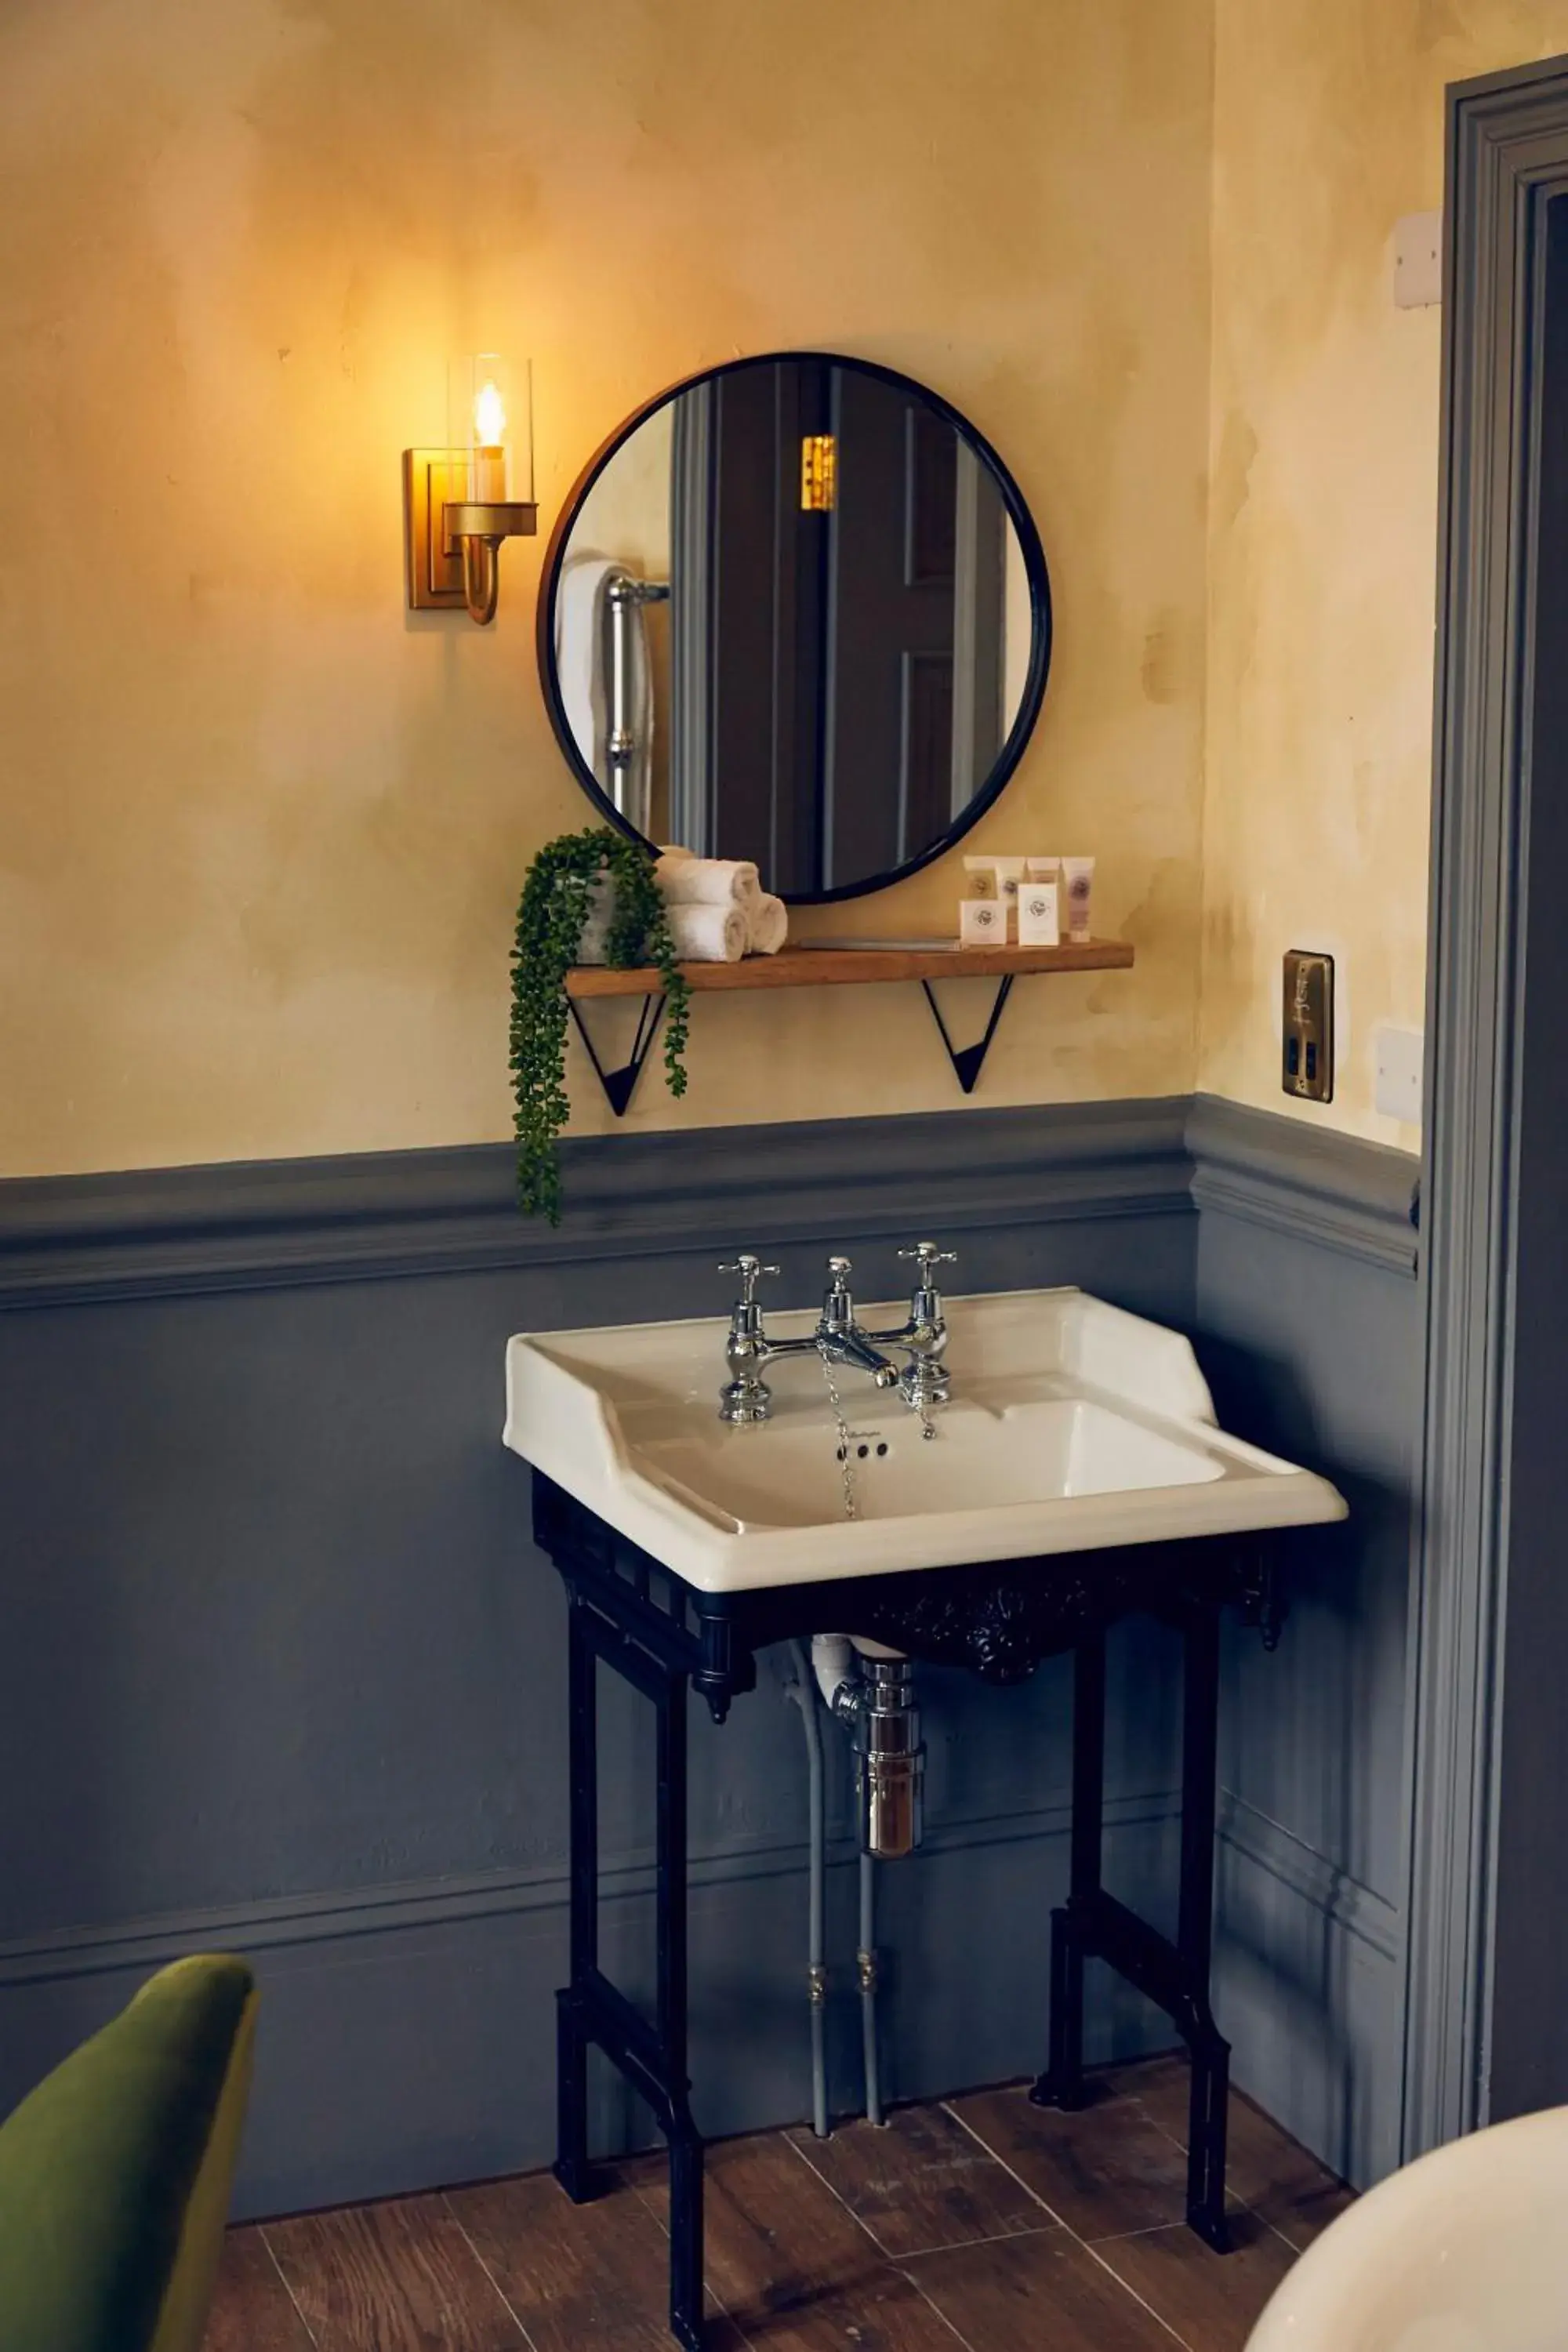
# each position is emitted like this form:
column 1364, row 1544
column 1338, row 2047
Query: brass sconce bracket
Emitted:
column 452, row 541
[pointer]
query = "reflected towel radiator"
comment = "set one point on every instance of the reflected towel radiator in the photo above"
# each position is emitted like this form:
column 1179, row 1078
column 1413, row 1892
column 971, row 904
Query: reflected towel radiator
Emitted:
column 624, row 596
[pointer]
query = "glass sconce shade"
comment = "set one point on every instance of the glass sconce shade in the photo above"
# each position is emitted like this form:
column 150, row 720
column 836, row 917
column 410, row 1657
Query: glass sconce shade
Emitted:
column 489, row 414
column 460, row 502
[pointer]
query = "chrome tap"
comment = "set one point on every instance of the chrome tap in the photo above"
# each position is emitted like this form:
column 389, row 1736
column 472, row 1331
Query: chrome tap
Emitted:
column 745, row 1395
column 837, row 1338
column 925, row 1380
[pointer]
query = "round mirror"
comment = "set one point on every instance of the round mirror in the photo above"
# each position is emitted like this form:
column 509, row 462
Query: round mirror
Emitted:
column 796, row 610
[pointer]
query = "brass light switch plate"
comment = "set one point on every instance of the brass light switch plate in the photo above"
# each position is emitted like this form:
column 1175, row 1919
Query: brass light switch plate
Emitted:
column 432, row 479
column 1308, row 1068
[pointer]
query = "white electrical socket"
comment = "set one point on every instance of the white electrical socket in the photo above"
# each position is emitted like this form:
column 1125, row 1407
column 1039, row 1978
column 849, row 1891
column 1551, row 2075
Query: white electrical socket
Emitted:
column 1418, row 261
column 1400, row 1054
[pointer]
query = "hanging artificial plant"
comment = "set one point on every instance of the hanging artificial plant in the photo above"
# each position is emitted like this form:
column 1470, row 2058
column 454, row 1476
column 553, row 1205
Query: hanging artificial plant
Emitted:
column 556, row 899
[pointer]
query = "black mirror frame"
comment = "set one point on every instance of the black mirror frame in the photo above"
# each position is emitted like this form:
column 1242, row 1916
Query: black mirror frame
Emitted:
column 1032, row 552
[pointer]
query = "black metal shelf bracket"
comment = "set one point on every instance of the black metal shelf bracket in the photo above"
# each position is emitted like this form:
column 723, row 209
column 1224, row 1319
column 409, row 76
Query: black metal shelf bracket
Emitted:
column 968, row 1060
column 621, row 1085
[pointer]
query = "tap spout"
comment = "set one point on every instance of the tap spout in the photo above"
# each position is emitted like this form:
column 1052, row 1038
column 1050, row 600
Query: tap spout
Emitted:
column 921, row 1334
column 845, row 1346
column 850, row 1347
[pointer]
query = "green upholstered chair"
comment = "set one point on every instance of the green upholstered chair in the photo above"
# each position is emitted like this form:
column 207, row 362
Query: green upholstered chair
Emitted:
column 115, row 2173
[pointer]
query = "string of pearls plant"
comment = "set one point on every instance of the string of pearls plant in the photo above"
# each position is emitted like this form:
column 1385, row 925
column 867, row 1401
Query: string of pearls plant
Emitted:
column 556, row 898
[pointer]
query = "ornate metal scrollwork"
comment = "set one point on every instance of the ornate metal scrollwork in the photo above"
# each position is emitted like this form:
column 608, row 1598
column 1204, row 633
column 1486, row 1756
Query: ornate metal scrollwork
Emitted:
column 1003, row 1622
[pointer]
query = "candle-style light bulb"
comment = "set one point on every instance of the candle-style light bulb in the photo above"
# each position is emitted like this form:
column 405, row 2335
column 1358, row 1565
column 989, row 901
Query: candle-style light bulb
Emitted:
column 489, row 444
column 490, row 416
column 490, row 419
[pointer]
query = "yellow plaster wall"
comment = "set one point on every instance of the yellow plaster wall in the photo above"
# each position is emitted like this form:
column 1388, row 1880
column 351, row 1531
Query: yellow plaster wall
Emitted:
column 260, row 832
column 1329, row 124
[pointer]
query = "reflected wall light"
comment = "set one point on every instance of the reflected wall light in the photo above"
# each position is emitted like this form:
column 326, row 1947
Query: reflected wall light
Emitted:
column 460, row 502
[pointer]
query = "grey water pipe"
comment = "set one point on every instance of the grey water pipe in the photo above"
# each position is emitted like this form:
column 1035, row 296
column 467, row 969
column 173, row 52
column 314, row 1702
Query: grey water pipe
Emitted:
column 804, row 1692
column 867, row 1958
column 871, row 1691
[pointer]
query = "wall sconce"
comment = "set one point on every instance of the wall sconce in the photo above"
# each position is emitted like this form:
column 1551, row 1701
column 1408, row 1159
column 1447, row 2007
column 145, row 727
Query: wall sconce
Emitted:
column 460, row 502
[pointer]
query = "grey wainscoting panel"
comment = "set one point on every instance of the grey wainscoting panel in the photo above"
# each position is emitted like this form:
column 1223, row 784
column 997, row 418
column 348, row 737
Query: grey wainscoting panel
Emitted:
column 1354, row 1200
column 280, row 1672
column 260, row 1224
column 1311, row 1332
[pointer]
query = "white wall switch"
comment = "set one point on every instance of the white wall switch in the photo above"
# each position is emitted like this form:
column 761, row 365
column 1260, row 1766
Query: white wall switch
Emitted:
column 1400, row 1052
column 1418, row 261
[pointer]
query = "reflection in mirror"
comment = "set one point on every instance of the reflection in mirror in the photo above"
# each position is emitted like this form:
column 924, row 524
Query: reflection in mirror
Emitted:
column 794, row 620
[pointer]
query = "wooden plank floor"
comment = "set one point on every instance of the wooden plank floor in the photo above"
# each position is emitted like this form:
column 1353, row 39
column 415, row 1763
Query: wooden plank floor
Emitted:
column 981, row 2223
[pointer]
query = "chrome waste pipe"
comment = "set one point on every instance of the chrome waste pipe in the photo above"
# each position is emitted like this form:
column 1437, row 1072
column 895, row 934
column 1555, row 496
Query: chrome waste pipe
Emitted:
column 889, row 1759
column 872, row 1691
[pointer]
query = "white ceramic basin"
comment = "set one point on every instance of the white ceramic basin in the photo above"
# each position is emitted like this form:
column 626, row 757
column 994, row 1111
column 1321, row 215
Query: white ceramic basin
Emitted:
column 1073, row 1426
column 1461, row 2251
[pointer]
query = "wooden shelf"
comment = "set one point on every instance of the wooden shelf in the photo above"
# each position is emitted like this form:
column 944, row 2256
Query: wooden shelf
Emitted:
column 808, row 967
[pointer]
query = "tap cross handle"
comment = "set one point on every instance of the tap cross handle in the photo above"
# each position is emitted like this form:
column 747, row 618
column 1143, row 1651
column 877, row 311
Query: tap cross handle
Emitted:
column 929, row 1256
column 751, row 1270
column 838, row 1306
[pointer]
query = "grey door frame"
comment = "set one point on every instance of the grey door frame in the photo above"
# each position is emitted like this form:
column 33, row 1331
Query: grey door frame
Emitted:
column 1507, row 157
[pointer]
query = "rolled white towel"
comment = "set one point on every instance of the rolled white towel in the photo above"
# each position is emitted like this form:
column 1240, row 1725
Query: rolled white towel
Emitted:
column 708, row 934
column 767, row 924
column 708, row 881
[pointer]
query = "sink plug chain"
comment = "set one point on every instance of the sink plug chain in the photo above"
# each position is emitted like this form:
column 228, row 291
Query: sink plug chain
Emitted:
column 851, row 1507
